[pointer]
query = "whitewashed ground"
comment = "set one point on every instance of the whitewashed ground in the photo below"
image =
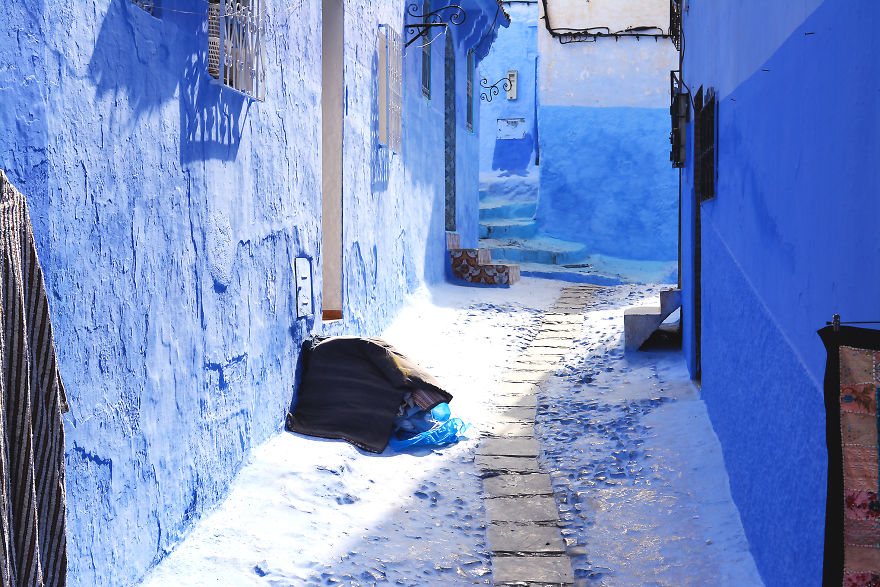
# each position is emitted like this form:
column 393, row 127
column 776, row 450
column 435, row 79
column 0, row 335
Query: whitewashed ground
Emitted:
column 306, row 511
column 636, row 467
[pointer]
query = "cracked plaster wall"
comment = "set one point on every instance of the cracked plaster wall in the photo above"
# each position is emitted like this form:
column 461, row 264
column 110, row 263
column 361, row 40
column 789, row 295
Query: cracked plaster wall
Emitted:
column 167, row 214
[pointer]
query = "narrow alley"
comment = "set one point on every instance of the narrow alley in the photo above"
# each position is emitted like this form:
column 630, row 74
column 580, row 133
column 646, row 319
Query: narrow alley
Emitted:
column 606, row 473
column 439, row 292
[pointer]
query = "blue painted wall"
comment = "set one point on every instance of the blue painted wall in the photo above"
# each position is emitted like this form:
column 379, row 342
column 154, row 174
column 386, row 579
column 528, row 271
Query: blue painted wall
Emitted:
column 606, row 180
column 787, row 242
column 603, row 128
column 167, row 214
column 515, row 49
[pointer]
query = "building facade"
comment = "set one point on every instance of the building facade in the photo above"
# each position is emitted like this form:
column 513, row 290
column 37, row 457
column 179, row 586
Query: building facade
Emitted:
column 779, row 201
column 603, row 103
column 575, row 164
column 173, row 193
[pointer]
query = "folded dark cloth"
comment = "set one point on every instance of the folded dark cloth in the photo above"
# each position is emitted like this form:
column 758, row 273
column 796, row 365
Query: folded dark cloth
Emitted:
column 352, row 389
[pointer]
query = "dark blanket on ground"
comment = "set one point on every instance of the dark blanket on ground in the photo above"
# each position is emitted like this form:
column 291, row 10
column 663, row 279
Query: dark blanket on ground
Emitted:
column 352, row 389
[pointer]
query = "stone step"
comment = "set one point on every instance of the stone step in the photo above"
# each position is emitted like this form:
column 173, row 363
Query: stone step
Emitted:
column 499, row 210
column 544, row 570
column 544, row 250
column 670, row 301
column 508, row 228
column 476, row 266
column 640, row 322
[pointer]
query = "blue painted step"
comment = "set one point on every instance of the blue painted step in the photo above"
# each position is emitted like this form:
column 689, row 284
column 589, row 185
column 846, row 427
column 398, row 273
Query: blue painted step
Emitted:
column 546, row 250
column 503, row 210
column 518, row 228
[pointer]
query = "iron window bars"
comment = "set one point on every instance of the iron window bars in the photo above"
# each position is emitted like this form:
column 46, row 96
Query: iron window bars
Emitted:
column 705, row 140
column 390, row 49
column 679, row 110
column 675, row 23
column 147, row 5
column 236, row 38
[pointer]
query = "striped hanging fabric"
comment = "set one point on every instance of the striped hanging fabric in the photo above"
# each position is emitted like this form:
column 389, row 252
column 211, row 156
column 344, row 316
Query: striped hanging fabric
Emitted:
column 33, row 534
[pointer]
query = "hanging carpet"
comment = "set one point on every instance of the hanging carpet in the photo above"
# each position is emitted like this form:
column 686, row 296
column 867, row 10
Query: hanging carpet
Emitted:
column 852, row 511
column 353, row 389
column 33, row 540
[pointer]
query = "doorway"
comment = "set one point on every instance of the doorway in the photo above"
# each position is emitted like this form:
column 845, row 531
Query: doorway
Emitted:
column 450, row 132
column 331, row 158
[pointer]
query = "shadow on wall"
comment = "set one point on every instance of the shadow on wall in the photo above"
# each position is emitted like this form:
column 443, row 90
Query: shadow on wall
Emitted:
column 146, row 60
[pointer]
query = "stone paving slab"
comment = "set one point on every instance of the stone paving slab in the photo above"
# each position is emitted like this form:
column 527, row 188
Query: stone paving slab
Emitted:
column 516, row 387
column 551, row 343
column 543, row 354
column 563, row 337
column 521, row 413
column 509, row 485
column 511, row 428
column 525, row 538
column 509, row 464
column 533, row 569
column 536, row 508
column 516, row 401
column 520, row 376
column 532, row 365
column 565, row 328
column 564, row 319
column 509, row 447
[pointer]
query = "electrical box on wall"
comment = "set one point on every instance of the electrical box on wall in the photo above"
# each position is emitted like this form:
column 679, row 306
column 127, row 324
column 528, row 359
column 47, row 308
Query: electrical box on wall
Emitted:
column 511, row 91
column 303, row 275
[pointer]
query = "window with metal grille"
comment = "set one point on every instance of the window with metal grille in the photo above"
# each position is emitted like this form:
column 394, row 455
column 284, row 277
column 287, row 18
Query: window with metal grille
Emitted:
column 675, row 23
column 390, row 49
column 147, row 5
column 236, row 52
column 679, row 111
column 704, row 144
column 470, row 90
column 426, row 53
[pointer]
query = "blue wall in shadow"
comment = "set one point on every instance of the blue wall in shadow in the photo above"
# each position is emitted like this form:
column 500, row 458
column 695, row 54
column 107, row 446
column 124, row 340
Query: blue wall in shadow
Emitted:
column 788, row 241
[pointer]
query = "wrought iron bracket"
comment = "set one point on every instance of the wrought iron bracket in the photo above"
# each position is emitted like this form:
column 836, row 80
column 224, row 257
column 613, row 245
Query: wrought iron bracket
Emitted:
column 493, row 90
column 432, row 20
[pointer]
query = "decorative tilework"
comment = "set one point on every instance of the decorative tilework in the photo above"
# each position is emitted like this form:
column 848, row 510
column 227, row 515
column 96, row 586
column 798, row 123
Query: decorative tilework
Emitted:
column 475, row 266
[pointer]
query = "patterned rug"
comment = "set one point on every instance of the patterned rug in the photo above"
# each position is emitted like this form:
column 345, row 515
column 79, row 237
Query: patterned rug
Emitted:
column 852, row 513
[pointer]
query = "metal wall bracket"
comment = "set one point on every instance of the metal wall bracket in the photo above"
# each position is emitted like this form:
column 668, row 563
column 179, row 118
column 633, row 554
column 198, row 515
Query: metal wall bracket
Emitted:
column 494, row 89
column 455, row 15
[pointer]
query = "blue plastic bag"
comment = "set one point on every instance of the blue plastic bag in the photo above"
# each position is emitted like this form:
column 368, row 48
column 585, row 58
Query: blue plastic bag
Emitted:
column 421, row 428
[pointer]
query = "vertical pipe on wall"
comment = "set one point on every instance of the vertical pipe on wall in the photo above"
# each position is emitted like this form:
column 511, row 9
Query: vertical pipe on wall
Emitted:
column 332, row 87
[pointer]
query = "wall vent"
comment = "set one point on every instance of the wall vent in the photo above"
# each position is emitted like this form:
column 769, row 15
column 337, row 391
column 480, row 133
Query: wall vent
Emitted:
column 236, row 45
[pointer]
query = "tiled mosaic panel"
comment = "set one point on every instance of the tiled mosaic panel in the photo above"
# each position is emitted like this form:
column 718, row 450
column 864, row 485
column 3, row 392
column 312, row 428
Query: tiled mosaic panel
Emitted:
column 466, row 265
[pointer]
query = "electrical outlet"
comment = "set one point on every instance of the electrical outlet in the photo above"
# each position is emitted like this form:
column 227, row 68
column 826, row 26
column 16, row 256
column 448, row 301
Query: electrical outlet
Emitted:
column 303, row 276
